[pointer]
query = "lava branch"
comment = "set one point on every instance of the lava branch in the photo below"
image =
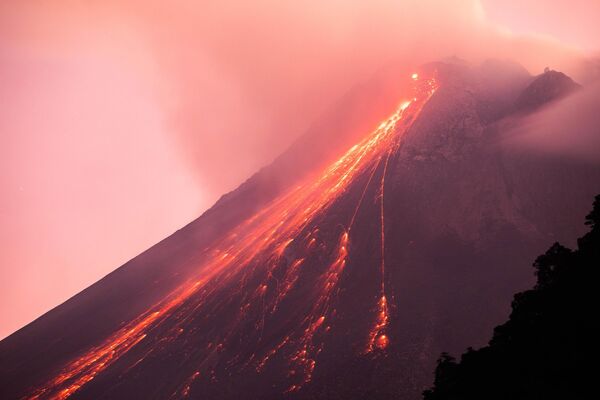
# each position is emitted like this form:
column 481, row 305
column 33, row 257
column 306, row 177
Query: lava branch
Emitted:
column 377, row 337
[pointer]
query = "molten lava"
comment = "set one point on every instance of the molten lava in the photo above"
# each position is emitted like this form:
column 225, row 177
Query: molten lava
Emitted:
column 381, row 342
column 270, row 248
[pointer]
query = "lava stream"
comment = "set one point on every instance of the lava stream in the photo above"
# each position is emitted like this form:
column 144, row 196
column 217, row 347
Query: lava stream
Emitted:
column 260, row 246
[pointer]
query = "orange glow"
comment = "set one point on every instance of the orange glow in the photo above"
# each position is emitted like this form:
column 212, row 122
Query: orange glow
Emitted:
column 259, row 245
column 381, row 342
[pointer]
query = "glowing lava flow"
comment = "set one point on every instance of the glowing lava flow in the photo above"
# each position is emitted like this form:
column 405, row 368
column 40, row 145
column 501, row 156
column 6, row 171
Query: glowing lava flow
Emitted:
column 258, row 249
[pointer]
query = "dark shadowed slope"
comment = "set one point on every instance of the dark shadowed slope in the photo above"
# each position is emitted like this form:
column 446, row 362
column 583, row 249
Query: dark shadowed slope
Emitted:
column 342, row 280
column 547, row 348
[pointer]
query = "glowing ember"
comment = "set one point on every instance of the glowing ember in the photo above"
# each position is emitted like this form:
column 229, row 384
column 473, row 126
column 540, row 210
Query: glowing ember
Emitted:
column 185, row 392
column 377, row 337
column 270, row 248
column 381, row 342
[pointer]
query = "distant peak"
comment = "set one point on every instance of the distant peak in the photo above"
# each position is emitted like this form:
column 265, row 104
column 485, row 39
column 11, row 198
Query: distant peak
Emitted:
column 545, row 88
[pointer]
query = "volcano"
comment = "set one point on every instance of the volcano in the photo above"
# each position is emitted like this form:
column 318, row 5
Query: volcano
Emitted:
column 341, row 270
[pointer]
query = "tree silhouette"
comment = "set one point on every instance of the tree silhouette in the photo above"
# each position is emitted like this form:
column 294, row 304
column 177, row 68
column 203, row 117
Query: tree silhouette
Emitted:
column 547, row 349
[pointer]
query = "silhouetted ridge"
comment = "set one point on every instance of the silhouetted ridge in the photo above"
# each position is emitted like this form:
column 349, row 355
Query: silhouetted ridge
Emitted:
column 545, row 350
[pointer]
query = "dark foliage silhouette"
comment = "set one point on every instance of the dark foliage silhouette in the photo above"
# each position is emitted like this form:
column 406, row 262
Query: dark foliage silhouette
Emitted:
column 546, row 349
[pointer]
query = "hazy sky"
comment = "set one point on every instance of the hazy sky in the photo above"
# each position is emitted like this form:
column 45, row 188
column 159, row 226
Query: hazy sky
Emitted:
column 121, row 121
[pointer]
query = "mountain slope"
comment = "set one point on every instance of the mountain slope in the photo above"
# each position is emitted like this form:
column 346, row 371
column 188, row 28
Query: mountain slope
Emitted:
column 345, row 281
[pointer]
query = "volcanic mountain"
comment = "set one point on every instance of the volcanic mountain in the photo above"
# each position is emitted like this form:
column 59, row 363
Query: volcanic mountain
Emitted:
column 330, row 273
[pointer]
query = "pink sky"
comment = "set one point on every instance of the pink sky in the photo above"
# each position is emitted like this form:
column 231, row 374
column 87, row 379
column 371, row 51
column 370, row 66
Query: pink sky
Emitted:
column 122, row 121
